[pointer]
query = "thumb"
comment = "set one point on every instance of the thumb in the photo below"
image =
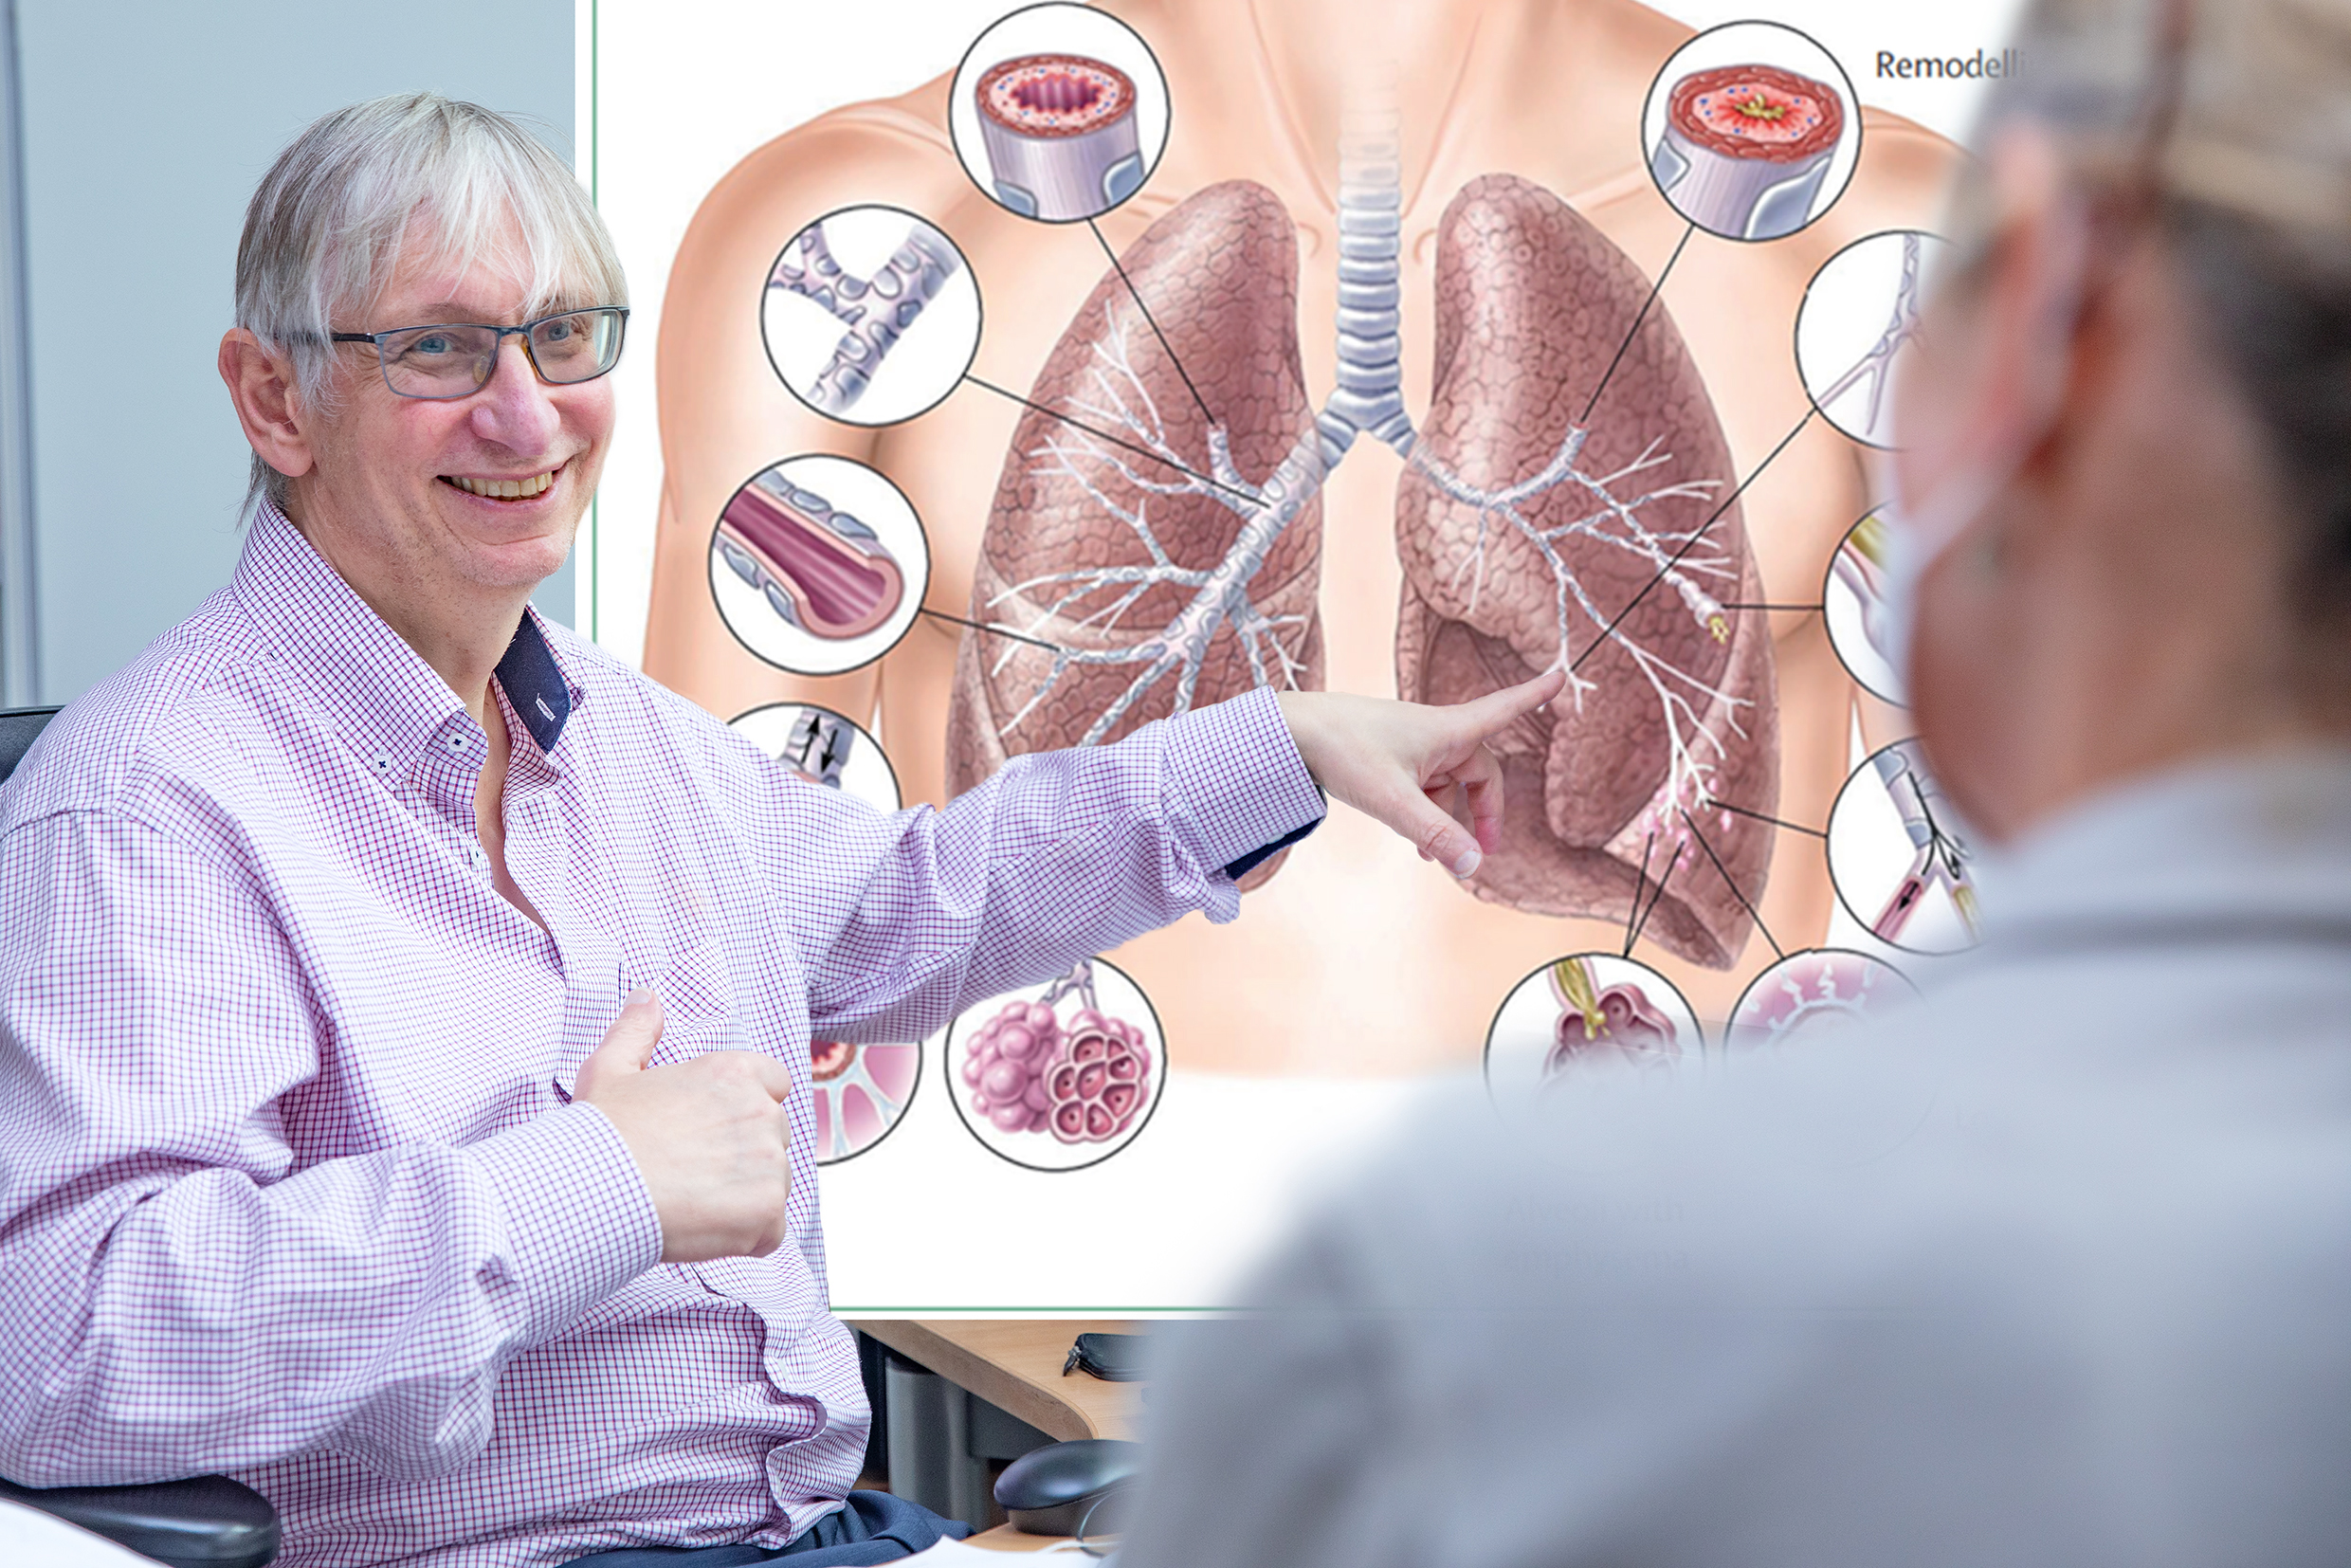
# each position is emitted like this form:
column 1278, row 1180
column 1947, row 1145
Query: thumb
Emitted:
column 626, row 1047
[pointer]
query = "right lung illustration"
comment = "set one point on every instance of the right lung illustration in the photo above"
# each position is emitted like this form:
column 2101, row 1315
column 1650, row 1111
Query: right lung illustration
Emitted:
column 1526, row 532
column 1158, row 549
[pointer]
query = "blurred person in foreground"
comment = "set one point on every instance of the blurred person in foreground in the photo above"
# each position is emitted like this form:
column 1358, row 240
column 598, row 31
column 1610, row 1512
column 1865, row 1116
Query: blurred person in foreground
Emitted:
column 2056, row 1270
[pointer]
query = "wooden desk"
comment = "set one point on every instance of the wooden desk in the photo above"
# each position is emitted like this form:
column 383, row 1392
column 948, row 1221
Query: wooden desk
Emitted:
column 1015, row 1365
column 1005, row 1539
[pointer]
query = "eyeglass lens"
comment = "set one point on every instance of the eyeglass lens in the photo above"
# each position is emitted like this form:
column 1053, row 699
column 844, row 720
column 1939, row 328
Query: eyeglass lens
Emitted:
column 456, row 361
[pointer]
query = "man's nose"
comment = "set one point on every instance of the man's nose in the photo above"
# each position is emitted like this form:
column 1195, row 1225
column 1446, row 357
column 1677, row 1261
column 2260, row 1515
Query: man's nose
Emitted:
column 513, row 408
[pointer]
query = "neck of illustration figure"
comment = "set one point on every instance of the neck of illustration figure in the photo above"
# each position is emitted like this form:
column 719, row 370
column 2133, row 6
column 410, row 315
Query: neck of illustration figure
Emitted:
column 1289, row 79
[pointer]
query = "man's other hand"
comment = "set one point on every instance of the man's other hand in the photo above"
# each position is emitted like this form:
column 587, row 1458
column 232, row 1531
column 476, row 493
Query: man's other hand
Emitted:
column 708, row 1135
column 1423, row 771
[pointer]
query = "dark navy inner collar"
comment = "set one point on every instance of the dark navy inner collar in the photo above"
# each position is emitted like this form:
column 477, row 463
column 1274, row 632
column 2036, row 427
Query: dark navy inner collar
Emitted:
column 534, row 684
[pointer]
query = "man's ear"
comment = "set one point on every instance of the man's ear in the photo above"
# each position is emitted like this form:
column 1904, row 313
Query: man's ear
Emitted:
column 261, row 386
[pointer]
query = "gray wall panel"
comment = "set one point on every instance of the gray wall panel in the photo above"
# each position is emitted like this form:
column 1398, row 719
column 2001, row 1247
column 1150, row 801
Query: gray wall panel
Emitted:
column 145, row 129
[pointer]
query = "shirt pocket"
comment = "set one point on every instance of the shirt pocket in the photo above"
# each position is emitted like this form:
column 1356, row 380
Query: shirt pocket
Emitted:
column 699, row 1010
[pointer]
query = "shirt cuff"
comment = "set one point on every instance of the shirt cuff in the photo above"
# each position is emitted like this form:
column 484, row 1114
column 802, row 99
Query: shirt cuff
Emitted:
column 1239, row 791
column 579, row 1222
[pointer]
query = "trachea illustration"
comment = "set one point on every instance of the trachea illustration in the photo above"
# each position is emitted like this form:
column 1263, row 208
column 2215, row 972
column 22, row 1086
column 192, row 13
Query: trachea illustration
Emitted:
column 1876, row 368
column 1617, row 1020
column 822, row 570
column 1938, row 858
column 819, row 746
column 1084, row 1083
column 1747, row 148
column 1060, row 136
column 859, row 1091
column 877, row 310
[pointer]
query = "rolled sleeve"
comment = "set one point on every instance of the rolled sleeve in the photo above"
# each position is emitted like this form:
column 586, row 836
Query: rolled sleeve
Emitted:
column 1237, row 790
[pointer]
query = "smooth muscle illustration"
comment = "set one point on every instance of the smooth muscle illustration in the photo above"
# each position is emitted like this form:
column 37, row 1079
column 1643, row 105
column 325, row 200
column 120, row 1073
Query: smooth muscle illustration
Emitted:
column 1747, row 148
column 1084, row 1083
column 1598, row 1020
column 821, row 570
column 1060, row 133
column 877, row 311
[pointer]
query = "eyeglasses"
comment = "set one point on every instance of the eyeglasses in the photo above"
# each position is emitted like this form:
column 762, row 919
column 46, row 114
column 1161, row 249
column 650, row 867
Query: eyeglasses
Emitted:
column 456, row 359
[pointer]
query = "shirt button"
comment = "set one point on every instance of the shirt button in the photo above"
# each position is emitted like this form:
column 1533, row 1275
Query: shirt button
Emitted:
column 479, row 857
column 381, row 762
column 457, row 742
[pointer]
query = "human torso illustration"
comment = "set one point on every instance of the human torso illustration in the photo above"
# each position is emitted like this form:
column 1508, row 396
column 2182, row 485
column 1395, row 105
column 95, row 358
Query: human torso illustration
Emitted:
column 1371, row 386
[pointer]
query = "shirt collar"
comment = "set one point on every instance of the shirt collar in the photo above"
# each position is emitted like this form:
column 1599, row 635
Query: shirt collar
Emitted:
column 388, row 700
column 2249, row 840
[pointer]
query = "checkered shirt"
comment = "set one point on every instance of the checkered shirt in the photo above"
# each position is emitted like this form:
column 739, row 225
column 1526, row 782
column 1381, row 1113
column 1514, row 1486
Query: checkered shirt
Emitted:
column 290, row 1183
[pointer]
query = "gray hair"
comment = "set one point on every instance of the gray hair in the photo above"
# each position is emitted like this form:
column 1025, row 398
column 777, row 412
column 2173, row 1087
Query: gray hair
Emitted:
column 2254, row 197
column 324, row 232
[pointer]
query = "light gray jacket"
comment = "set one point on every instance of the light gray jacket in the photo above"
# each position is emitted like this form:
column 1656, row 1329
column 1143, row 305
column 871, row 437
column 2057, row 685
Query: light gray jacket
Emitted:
column 2056, row 1270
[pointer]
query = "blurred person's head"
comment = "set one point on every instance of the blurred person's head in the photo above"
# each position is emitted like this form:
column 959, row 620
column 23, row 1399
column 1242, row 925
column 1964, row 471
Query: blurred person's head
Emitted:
column 2130, row 435
column 420, row 487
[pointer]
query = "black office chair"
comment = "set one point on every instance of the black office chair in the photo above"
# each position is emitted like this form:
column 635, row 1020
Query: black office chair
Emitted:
column 207, row 1521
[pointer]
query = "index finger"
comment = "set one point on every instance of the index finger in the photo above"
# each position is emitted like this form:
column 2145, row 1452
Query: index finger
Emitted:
column 1496, row 709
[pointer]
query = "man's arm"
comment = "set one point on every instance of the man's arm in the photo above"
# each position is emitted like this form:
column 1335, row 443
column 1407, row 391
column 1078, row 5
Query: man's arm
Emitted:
column 1065, row 854
column 1059, row 856
column 182, row 1299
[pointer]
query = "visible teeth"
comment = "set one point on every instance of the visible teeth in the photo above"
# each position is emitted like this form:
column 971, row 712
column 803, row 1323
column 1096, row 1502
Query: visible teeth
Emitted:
column 503, row 489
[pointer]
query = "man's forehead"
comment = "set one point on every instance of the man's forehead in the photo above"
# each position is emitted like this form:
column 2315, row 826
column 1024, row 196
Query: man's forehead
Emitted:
column 491, row 285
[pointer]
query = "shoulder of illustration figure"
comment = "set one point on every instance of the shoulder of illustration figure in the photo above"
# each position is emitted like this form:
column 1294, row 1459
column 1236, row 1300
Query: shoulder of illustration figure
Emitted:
column 170, row 719
column 886, row 149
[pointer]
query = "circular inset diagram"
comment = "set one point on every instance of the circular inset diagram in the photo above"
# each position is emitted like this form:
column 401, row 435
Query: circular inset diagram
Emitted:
column 818, row 745
column 1592, row 1007
column 819, row 565
column 1814, row 993
column 1059, row 113
column 860, row 1092
column 1896, row 858
column 1853, row 604
column 870, row 316
column 1060, row 1076
column 1752, row 131
column 1860, row 313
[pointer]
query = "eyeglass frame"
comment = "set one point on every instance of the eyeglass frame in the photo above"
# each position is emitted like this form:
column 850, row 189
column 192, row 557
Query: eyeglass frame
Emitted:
column 498, row 347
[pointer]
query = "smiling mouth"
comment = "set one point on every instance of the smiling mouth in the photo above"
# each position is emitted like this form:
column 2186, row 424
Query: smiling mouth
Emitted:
column 503, row 489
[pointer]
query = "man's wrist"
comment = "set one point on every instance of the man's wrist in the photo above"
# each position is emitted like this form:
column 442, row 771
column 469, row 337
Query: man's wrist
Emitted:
column 1238, row 780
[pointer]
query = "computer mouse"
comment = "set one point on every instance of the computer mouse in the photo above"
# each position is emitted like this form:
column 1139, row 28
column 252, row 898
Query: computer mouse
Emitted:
column 1048, row 1491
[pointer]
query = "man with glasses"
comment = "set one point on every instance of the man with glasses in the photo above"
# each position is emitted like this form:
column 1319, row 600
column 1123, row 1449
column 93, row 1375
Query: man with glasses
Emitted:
column 405, row 1008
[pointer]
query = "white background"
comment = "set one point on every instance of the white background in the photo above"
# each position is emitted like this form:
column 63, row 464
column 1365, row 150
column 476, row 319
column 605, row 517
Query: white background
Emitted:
column 674, row 95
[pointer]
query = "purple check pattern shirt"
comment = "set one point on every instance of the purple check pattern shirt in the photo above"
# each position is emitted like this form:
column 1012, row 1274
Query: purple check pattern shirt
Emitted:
column 290, row 1183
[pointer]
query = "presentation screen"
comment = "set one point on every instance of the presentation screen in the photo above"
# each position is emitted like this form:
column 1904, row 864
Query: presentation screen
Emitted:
column 1020, row 375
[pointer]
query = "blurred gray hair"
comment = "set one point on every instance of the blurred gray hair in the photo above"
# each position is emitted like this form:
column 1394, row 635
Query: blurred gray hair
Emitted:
column 2255, row 201
column 326, row 231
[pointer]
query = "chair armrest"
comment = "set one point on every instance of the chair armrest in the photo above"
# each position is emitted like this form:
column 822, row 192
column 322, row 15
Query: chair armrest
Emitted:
column 208, row 1521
